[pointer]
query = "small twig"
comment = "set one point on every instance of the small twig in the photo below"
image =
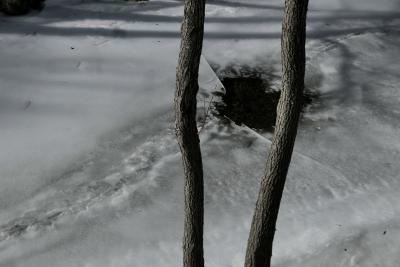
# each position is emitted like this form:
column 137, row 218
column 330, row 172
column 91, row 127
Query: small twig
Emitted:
column 206, row 112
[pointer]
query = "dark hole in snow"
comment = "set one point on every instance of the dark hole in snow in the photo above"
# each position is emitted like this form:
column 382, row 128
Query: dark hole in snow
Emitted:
column 250, row 100
column 20, row 7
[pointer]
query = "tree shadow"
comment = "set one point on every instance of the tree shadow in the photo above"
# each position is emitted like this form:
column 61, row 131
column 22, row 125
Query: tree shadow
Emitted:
column 64, row 13
column 133, row 14
column 37, row 29
column 241, row 4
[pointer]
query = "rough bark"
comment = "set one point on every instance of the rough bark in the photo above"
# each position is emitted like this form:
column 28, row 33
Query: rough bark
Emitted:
column 186, row 131
column 259, row 247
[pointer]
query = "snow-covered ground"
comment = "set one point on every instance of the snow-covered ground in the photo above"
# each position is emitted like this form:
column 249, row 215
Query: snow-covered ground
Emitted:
column 90, row 172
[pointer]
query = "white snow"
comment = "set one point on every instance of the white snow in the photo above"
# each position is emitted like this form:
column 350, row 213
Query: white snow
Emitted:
column 90, row 172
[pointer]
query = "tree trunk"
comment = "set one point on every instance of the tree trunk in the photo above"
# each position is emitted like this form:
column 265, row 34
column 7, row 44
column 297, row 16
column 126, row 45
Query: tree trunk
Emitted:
column 186, row 130
column 259, row 247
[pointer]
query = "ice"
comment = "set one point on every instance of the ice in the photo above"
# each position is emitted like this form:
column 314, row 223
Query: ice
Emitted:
column 90, row 171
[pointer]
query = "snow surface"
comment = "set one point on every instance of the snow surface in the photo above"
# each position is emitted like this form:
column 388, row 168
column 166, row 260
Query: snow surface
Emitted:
column 90, row 172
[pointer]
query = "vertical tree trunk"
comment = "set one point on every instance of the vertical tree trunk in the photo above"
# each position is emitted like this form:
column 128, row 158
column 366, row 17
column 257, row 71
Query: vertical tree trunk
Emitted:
column 186, row 130
column 259, row 247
